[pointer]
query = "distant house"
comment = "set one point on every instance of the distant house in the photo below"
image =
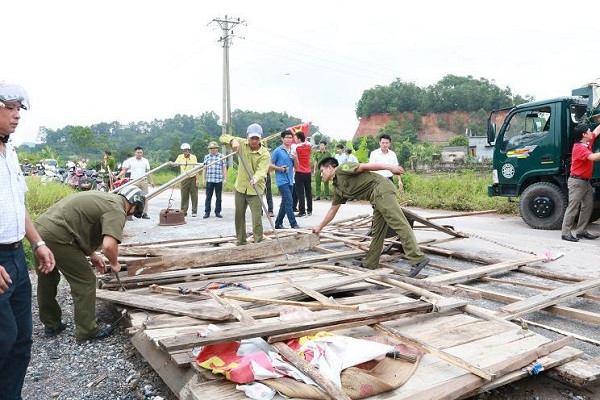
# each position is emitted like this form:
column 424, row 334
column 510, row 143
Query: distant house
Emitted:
column 454, row 154
column 479, row 148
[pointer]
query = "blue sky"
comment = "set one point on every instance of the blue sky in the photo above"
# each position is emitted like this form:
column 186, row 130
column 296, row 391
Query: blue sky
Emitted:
column 101, row 61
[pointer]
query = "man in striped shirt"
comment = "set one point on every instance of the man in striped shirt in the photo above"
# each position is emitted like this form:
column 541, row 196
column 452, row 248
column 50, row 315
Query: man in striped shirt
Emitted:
column 213, row 178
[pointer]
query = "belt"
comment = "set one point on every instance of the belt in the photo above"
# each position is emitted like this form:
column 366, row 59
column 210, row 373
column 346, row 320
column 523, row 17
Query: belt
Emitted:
column 579, row 177
column 10, row 246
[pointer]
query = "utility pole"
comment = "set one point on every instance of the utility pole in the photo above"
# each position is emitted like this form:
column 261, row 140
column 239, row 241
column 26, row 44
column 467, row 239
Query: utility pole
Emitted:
column 227, row 24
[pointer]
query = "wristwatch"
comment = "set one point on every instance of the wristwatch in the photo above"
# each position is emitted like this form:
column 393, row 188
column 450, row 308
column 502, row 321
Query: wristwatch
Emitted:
column 35, row 245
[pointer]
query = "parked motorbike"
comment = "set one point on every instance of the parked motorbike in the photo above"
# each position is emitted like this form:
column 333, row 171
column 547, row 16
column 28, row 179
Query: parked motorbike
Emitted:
column 79, row 179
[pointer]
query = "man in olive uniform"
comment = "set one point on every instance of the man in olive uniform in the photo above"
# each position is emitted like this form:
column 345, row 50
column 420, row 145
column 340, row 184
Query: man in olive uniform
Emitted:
column 189, row 186
column 356, row 181
column 74, row 228
column 258, row 159
column 319, row 156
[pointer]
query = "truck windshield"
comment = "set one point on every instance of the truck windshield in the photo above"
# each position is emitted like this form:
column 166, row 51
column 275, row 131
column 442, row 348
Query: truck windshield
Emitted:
column 525, row 127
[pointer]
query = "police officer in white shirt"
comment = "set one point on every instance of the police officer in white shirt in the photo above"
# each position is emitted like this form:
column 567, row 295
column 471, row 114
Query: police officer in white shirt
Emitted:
column 16, row 324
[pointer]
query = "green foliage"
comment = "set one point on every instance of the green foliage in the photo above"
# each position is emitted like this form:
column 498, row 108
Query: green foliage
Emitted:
column 363, row 152
column 459, row 141
column 451, row 93
column 458, row 191
column 160, row 139
column 392, row 128
column 408, row 133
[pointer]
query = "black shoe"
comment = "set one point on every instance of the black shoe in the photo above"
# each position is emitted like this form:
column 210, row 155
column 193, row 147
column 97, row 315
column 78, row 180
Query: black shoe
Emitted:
column 569, row 238
column 586, row 235
column 296, row 226
column 48, row 332
column 103, row 332
column 270, row 214
column 279, row 227
column 218, row 215
column 145, row 216
column 295, row 209
column 206, row 216
column 309, row 213
column 194, row 214
column 300, row 215
column 418, row 267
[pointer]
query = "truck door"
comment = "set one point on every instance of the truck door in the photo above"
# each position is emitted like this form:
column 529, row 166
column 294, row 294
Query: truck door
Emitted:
column 527, row 147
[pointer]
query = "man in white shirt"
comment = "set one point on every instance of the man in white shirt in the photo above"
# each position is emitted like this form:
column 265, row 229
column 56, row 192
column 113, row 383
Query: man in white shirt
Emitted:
column 386, row 156
column 340, row 155
column 16, row 326
column 138, row 166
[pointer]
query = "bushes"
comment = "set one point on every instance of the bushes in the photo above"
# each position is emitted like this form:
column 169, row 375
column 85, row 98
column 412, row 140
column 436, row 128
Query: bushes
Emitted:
column 458, row 191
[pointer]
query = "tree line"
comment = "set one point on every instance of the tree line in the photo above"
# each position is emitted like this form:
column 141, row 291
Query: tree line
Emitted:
column 451, row 93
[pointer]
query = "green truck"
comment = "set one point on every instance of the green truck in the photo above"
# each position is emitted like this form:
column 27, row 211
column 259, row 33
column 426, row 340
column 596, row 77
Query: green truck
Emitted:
column 532, row 154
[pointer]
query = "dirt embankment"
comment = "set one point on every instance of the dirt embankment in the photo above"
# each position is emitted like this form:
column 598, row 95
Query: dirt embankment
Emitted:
column 435, row 128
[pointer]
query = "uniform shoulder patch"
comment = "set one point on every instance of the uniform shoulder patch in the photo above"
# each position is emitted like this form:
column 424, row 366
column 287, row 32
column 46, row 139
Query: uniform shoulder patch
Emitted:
column 345, row 167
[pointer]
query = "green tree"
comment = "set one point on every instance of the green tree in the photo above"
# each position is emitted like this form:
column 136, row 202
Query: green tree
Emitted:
column 392, row 128
column 458, row 141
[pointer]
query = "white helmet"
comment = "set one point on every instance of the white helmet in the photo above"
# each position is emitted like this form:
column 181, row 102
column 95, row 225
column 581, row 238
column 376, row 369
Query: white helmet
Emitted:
column 185, row 146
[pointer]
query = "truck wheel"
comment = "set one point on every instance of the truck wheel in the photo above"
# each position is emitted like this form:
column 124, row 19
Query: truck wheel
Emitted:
column 595, row 215
column 543, row 206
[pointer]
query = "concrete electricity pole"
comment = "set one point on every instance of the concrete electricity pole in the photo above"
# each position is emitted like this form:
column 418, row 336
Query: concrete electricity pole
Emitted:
column 227, row 25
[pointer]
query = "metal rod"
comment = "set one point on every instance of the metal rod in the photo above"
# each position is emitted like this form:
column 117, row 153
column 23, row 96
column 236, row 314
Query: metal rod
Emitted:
column 133, row 182
column 186, row 174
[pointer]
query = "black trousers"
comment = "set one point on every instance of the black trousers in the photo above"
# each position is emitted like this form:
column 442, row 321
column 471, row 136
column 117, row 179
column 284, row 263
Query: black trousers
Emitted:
column 303, row 190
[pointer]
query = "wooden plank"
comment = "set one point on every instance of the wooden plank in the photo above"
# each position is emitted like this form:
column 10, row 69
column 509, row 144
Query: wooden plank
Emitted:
column 557, row 358
column 269, row 329
column 546, row 299
column 174, row 377
column 160, row 304
column 581, row 372
column 411, row 215
column 219, row 256
column 436, row 352
column 569, row 312
column 475, row 273
column 458, row 386
column 311, row 305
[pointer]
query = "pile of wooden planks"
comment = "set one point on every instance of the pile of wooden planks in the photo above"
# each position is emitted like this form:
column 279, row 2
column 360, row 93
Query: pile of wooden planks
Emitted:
column 178, row 291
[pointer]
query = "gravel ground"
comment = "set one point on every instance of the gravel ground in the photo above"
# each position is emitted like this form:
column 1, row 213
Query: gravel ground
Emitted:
column 111, row 368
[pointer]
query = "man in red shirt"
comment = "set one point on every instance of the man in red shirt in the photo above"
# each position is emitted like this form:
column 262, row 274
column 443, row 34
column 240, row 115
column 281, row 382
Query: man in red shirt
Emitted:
column 302, row 178
column 581, row 193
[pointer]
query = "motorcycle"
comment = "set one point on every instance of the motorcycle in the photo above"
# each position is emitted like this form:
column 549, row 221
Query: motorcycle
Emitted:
column 79, row 179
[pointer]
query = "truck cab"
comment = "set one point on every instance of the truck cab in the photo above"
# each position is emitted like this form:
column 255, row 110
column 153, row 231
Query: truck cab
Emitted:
column 532, row 157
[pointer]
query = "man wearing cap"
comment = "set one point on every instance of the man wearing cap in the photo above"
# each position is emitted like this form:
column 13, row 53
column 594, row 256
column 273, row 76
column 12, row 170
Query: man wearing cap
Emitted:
column 138, row 166
column 74, row 228
column 213, row 178
column 189, row 186
column 354, row 180
column 16, row 324
column 248, row 183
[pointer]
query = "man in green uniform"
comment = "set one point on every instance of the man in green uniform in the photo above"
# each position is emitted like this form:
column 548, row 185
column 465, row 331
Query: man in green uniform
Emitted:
column 319, row 156
column 356, row 181
column 189, row 186
column 258, row 159
column 74, row 228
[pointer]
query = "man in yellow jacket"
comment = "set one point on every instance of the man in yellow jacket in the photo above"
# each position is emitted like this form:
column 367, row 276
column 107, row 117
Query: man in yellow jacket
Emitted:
column 189, row 186
column 258, row 159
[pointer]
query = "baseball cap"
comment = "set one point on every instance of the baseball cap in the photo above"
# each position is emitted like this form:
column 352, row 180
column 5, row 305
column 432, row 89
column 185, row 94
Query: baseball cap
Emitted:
column 254, row 130
column 12, row 92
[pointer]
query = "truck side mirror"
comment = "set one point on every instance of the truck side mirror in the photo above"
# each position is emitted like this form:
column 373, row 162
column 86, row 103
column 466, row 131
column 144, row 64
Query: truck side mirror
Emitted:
column 491, row 133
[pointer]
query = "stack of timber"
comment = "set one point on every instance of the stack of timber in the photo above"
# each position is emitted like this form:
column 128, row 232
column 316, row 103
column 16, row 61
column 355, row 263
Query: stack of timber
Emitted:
column 178, row 291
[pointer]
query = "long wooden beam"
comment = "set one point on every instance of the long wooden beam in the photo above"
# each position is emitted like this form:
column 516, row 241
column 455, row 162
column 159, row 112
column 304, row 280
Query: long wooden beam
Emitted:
column 220, row 256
